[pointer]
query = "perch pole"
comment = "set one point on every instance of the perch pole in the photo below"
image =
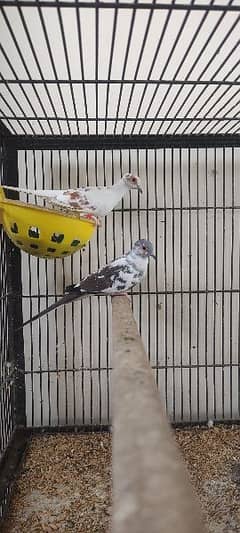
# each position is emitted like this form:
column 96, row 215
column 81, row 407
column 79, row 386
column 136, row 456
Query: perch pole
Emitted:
column 151, row 489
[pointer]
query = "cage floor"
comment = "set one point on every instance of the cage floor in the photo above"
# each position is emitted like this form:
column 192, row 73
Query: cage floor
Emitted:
column 65, row 483
column 212, row 457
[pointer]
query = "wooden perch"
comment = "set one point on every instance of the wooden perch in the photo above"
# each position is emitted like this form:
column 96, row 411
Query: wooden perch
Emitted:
column 151, row 489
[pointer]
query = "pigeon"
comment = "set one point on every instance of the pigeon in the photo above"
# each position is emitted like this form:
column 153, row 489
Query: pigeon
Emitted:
column 116, row 278
column 89, row 201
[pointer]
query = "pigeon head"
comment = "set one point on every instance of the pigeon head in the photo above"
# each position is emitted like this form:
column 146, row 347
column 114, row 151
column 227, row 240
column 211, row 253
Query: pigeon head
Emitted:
column 144, row 248
column 132, row 182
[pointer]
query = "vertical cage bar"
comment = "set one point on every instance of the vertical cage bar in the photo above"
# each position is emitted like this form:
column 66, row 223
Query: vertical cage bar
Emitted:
column 223, row 277
column 156, row 269
column 231, row 284
column 198, row 302
column 181, row 280
column 214, row 284
column 165, row 279
column 206, row 285
column 190, row 283
column 14, row 306
column 173, row 283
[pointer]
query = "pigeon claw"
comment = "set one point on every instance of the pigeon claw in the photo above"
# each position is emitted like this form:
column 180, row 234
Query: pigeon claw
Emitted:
column 94, row 219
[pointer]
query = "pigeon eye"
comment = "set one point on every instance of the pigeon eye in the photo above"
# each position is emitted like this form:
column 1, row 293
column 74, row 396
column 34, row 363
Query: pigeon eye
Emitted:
column 144, row 247
column 134, row 179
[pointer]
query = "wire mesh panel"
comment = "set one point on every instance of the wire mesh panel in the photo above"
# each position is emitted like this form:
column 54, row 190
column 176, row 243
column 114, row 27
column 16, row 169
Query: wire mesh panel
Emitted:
column 7, row 406
column 146, row 69
column 187, row 308
column 119, row 67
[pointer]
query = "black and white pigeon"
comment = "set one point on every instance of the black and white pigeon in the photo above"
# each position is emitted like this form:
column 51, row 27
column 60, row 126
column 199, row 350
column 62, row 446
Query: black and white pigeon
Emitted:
column 116, row 278
column 89, row 201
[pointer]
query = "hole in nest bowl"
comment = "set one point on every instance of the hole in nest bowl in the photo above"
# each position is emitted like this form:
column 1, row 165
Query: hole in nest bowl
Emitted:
column 14, row 228
column 34, row 232
column 57, row 237
column 75, row 242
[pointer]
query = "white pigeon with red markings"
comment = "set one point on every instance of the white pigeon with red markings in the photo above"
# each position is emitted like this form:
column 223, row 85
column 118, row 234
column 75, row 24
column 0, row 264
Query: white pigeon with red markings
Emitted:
column 87, row 201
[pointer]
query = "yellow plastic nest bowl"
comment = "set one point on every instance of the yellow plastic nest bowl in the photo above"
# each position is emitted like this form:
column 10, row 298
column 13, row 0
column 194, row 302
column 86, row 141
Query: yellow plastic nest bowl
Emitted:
column 43, row 232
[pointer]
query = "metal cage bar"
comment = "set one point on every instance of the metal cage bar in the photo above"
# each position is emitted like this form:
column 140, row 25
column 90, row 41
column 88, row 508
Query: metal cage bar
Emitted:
column 123, row 5
column 104, row 142
column 12, row 380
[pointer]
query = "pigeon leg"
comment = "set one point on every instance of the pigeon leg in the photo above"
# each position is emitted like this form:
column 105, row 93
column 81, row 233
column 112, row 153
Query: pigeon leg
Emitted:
column 127, row 296
column 122, row 294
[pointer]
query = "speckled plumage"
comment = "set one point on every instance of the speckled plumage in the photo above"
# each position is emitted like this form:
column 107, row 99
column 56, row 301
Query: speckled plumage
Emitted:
column 118, row 277
column 95, row 201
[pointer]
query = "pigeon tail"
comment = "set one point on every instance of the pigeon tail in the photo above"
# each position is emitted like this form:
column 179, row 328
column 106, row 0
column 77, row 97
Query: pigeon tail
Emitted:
column 38, row 192
column 67, row 298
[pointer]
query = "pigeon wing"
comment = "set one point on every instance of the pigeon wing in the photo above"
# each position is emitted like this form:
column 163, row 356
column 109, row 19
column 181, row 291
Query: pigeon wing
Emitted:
column 105, row 279
column 75, row 198
column 72, row 198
